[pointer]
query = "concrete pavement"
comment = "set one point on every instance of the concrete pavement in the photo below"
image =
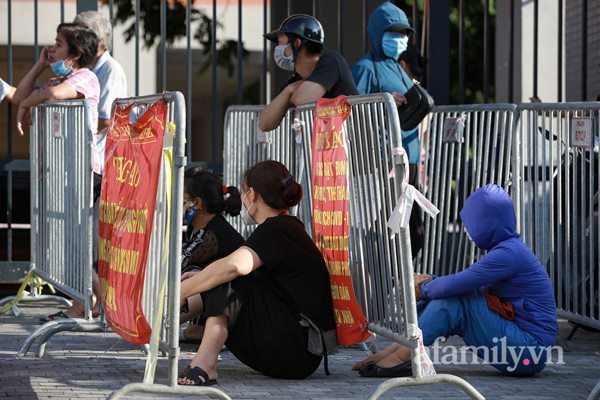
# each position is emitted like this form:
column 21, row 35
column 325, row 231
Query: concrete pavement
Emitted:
column 92, row 365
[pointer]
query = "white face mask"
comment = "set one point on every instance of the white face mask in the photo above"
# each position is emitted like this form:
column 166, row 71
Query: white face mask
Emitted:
column 284, row 62
column 245, row 213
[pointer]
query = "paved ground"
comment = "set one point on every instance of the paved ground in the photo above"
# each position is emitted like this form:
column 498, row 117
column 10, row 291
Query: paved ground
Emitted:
column 92, row 365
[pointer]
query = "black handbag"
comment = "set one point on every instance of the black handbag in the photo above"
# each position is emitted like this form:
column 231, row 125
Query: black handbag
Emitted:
column 418, row 102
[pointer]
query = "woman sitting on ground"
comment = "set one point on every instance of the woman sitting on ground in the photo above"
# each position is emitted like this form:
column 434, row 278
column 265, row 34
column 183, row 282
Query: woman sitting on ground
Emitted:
column 209, row 236
column 503, row 301
column 270, row 300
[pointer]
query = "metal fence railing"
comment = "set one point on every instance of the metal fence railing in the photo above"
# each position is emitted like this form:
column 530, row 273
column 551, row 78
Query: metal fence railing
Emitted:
column 162, row 280
column 546, row 156
column 557, row 170
column 380, row 261
column 61, row 212
column 465, row 147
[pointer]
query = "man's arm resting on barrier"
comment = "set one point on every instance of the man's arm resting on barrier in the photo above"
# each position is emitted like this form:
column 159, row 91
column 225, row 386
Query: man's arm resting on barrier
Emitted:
column 241, row 262
column 271, row 116
column 307, row 92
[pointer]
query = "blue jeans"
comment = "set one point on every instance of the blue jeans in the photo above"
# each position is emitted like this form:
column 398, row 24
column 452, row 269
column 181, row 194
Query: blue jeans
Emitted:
column 499, row 342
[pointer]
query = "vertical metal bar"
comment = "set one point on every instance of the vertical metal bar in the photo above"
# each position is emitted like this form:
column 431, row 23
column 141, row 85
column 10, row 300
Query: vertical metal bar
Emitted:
column 535, row 46
column 188, row 80
column 289, row 7
column 560, row 49
column 265, row 71
column 9, row 137
column 62, row 11
column 314, row 9
column 240, row 54
column 36, row 49
column 415, row 24
column 461, row 52
column 163, row 44
column 584, row 33
column 137, row 47
column 213, row 95
column 511, row 50
column 486, row 51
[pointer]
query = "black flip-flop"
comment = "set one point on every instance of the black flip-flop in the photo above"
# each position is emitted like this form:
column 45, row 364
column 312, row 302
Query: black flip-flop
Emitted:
column 198, row 376
column 55, row 316
column 397, row 371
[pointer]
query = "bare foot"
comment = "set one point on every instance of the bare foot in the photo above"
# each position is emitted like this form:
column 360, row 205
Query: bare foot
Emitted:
column 76, row 310
column 375, row 358
column 401, row 355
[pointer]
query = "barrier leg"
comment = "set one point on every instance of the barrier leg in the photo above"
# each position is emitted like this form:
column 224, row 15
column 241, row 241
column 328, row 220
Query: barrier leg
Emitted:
column 168, row 390
column 595, row 395
column 426, row 380
column 49, row 329
column 28, row 298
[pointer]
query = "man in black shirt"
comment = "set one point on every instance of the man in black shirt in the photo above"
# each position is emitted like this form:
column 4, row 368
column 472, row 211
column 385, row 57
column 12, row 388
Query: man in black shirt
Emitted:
column 317, row 73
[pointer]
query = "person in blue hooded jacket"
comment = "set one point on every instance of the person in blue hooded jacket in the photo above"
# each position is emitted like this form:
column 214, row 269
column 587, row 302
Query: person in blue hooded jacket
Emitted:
column 503, row 301
column 379, row 71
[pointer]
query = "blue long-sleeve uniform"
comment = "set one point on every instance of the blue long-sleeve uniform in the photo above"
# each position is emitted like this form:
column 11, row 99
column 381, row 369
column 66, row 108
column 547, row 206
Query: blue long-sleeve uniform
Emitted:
column 509, row 270
column 391, row 77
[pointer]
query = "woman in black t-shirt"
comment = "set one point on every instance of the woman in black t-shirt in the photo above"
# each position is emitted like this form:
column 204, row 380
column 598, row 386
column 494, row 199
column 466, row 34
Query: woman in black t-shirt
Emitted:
column 270, row 300
column 209, row 235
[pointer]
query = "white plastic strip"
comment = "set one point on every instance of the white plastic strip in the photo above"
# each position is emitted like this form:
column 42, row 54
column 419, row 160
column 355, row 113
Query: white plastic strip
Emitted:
column 427, row 368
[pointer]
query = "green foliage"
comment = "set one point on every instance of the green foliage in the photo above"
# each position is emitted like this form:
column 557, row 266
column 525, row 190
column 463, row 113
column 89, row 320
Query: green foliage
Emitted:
column 227, row 50
column 473, row 40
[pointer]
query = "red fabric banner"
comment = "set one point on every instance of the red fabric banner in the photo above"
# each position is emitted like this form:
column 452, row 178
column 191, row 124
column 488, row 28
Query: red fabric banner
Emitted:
column 127, row 203
column 330, row 214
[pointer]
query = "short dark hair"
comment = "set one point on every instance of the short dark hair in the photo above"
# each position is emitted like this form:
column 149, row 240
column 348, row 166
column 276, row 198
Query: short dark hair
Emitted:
column 82, row 42
column 312, row 48
column 208, row 187
column 273, row 181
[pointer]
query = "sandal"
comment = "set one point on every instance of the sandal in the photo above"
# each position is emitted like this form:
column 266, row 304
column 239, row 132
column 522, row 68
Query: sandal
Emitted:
column 374, row 371
column 198, row 376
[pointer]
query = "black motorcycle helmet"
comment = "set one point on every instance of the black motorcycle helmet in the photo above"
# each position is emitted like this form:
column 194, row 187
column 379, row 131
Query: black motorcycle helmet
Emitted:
column 303, row 26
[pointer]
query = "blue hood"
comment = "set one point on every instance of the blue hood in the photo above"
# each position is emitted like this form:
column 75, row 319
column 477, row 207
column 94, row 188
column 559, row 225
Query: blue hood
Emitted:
column 381, row 19
column 489, row 216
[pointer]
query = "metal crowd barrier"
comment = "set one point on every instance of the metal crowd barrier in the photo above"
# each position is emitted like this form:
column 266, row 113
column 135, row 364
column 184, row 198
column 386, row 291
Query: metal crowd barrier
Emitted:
column 465, row 147
column 557, row 170
column 381, row 262
column 61, row 184
column 162, row 280
column 245, row 145
column 62, row 211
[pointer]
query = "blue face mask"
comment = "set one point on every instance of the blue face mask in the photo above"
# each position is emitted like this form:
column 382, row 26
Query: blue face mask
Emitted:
column 394, row 44
column 189, row 215
column 59, row 68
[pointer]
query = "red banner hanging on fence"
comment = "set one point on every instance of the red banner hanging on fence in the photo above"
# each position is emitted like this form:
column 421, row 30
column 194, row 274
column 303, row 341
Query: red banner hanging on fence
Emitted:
column 330, row 214
column 127, row 203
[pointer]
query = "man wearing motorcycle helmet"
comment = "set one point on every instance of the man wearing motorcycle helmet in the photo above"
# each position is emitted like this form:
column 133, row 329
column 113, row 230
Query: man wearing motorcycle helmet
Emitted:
column 317, row 73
